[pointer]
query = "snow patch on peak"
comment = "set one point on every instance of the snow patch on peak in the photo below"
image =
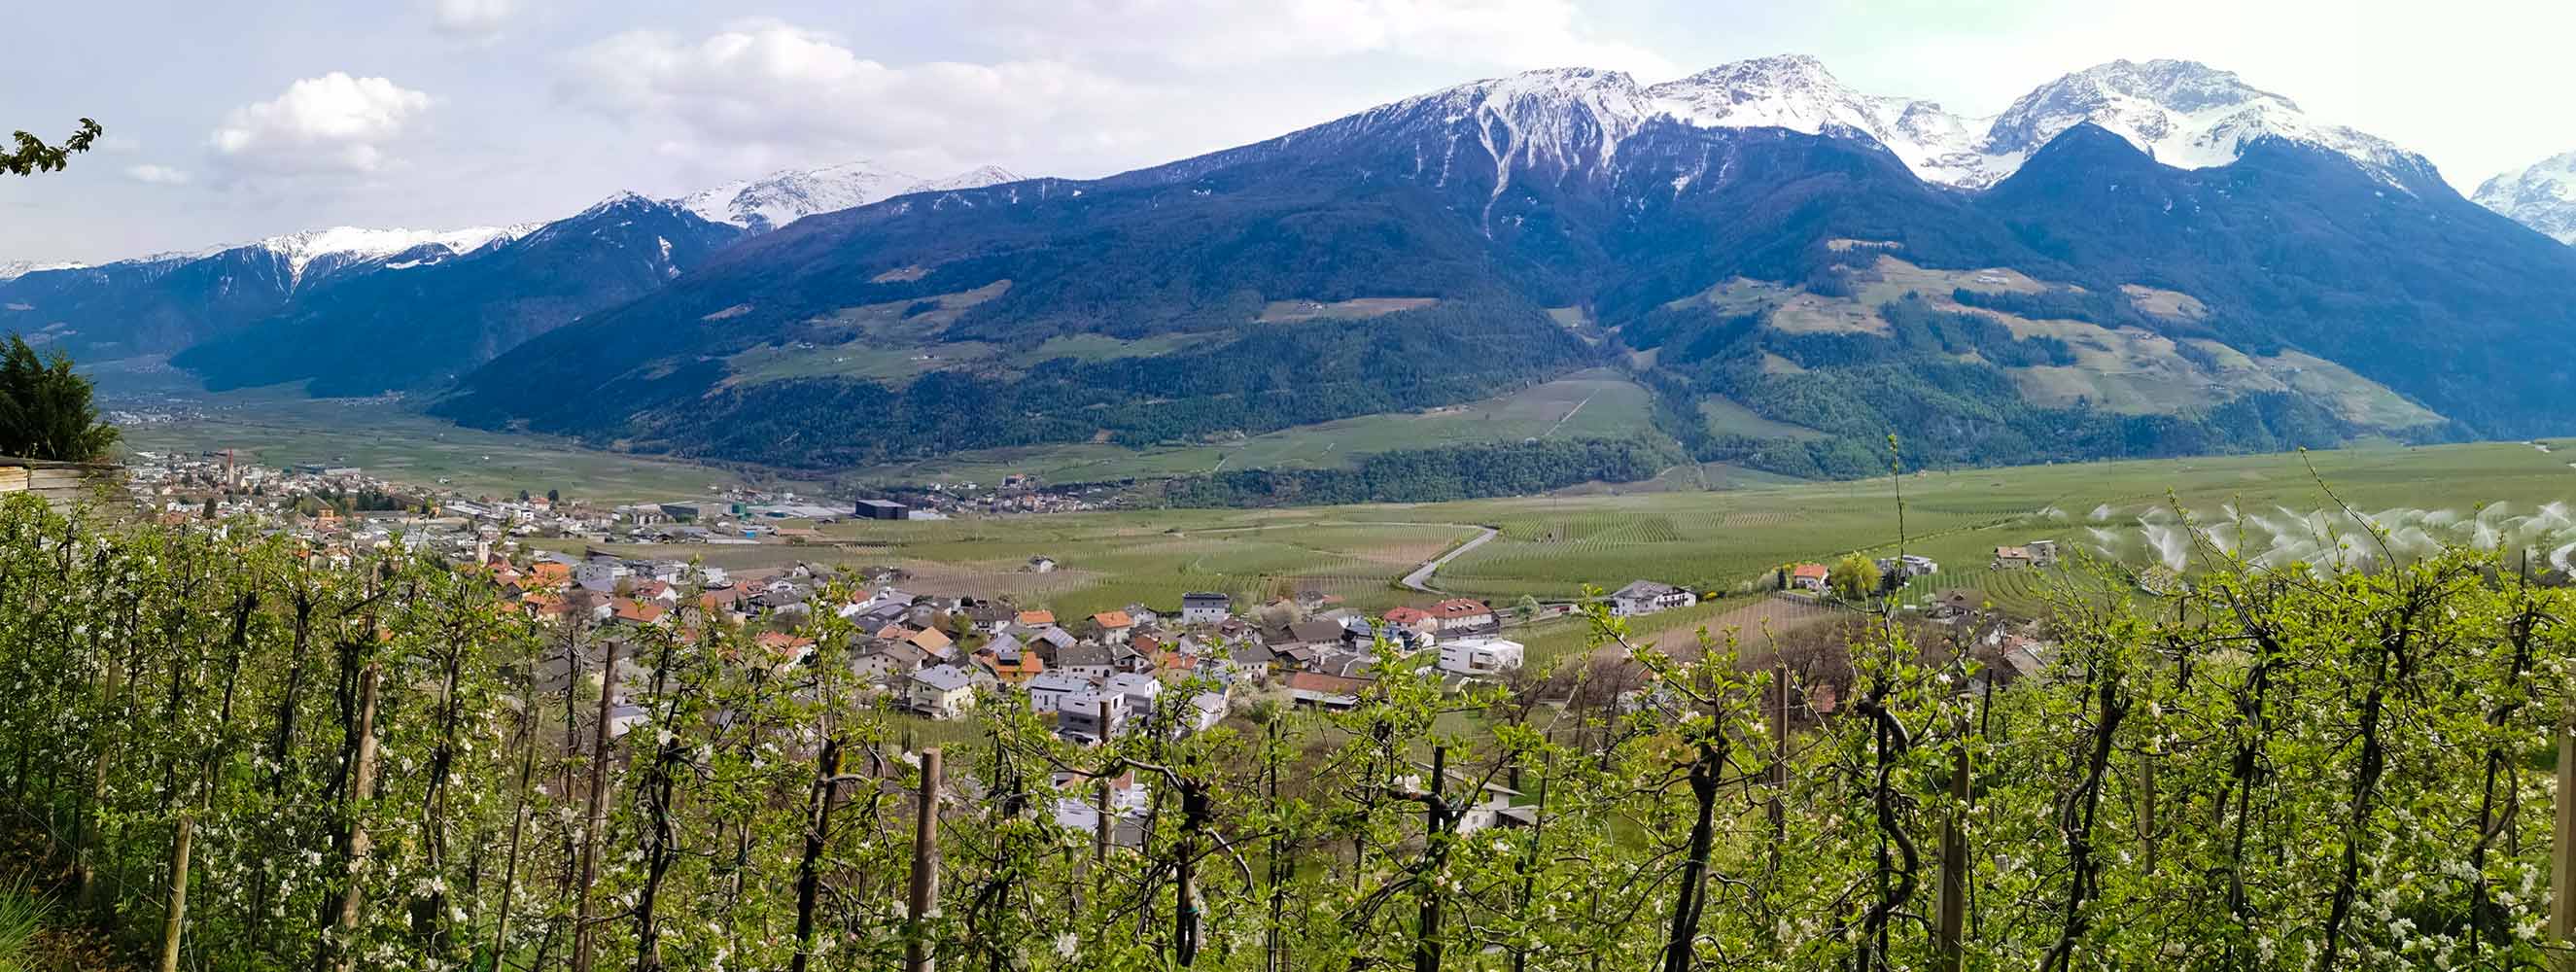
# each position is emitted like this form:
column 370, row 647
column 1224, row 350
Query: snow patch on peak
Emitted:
column 341, row 246
column 783, row 197
column 2184, row 114
column 975, row 178
column 622, row 197
column 14, row 269
column 1566, row 118
column 1796, row 92
column 780, row 198
column 2541, row 196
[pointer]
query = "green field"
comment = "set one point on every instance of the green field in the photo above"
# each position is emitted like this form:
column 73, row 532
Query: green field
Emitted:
column 1727, row 541
column 276, row 427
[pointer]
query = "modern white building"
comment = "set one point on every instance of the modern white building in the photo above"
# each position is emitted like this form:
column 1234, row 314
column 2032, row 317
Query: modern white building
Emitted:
column 1091, row 714
column 1480, row 656
column 1048, row 691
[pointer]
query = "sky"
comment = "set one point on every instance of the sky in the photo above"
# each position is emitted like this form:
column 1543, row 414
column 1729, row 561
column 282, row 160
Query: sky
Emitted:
column 232, row 121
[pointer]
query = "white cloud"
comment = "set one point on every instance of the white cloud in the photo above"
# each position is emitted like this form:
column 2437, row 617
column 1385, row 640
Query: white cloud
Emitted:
column 329, row 123
column 157, row 175
column 472, row 19
column 1215, row 34
column 765, row 92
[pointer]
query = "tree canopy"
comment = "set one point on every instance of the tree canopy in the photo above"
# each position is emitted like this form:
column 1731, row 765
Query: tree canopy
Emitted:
column 45, row 409
column 33, row 155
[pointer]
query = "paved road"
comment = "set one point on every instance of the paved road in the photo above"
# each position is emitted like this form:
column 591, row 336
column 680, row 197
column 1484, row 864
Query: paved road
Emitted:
column 1420, row 579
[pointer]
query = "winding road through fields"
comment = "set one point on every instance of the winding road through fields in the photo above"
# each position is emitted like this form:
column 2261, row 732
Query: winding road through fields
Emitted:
column 1420, row 579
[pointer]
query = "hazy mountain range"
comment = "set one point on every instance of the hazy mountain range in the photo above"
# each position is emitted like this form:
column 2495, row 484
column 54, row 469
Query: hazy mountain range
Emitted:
column 2134, row 259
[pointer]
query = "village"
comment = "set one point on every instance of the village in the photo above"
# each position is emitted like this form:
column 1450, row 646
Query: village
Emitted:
column 1173, row 668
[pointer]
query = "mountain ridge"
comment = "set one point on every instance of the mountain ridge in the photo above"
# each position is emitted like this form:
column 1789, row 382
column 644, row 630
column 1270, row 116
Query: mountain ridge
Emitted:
column 2541, row 195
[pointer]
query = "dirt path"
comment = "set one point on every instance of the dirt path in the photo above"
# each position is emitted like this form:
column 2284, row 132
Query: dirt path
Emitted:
column 1420, row 579
column 1569, row 414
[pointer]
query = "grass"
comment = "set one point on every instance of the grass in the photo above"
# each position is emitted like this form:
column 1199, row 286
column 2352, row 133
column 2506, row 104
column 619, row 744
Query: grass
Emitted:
column 1550, row 547
column 22, row 918
column 1726, row 416
column 278, row 427
column 1595, row 404
column 1289, row 311
column 1708, row 528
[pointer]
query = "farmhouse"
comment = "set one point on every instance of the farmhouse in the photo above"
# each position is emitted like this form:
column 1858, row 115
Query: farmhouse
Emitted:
column 1808, row 577
column 1648, row 597
column 1113, row 625
column 1462, row 614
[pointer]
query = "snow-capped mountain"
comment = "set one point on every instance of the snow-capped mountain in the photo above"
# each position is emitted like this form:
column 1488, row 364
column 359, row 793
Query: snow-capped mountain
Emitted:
column 780, row 198
column 14, row 269
column 317, row 253
column 2184, row 114
column 2541, row 195
column 1797, row 93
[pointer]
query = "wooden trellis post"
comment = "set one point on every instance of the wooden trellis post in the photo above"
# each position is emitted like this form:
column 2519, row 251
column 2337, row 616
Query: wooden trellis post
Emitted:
column 2562, row 849
column 924, row 904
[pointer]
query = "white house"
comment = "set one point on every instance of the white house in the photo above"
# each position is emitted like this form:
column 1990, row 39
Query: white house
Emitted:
column 1206, row 710
column 1648, row 597
column 1048, row 691
column 1091, row 714
column 1480, row 656
column 1129, row 803
column 1204, row 607
column 1142, row 691
column 940, row 692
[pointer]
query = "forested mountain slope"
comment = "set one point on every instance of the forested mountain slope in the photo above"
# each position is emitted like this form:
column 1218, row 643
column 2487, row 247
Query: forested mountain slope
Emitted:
column 2298, row 294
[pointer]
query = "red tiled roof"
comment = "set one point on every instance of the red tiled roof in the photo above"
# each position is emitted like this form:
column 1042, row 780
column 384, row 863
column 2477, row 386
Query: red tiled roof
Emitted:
column 1459, row 607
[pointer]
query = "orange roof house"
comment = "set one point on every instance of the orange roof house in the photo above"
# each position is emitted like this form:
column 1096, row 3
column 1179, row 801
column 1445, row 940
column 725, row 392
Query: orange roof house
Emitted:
column 929, row 639
column 1037, row 618
column 639, row 612
column 549, row 573
column 1407, row 616
column 1113, row 620
column 1013, row 671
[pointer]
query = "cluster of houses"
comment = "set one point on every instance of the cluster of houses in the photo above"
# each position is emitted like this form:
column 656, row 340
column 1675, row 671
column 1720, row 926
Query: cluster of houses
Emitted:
column 1178, row 668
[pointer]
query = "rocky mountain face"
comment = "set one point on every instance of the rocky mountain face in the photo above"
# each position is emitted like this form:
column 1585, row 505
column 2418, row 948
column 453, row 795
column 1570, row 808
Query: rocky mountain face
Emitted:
column 2541, row 196
column 780, row 198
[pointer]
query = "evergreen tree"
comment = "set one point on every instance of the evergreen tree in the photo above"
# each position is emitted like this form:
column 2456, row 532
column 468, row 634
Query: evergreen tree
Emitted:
column 45, row 409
